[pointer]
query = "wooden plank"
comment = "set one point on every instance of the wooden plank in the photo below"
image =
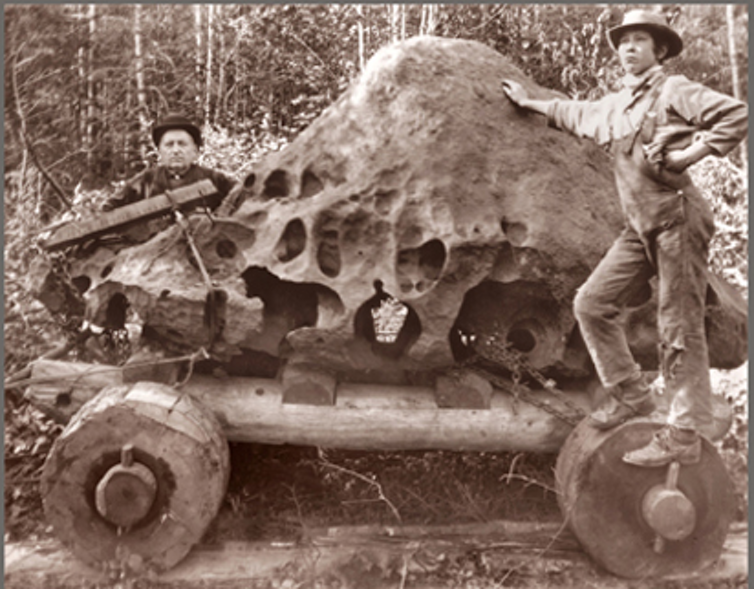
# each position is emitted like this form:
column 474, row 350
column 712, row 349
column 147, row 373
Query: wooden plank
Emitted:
column 106, row 222
column 32, row 565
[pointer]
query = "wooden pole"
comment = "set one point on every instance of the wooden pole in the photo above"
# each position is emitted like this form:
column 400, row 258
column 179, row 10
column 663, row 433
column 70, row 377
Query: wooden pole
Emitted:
column 364, row 416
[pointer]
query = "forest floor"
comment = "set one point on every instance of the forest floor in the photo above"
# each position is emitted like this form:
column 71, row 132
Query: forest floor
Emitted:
column 290, row 507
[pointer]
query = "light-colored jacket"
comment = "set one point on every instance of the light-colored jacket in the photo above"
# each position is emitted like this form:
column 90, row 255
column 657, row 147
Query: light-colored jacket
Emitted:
column 672, row 110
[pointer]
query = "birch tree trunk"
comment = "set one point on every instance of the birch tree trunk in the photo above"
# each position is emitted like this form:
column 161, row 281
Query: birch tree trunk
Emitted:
column 360, row 29
column 238, row 89
column 431, row 17
column 733, row 55
column 393, row 22
column 199, row 57
column 221, row 60
column 141, row 93
column 208, row 82
column 82, row 95
column 427, row 24
column 89, row 137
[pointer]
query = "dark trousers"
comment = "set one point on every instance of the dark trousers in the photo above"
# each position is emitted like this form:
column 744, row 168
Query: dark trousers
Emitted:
column 678, row 256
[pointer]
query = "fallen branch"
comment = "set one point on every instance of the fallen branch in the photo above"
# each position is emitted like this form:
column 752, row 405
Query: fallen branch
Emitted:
column 510, row 476
column 366, row 479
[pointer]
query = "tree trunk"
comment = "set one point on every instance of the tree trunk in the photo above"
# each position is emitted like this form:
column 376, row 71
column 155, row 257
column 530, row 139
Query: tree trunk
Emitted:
column 208, row 82
column 394, row 22
column 236, row 101
column 427, row 24
column 199, row 64
column 141, row 94
column 360, row 28
column 220, row 100
column 82, row 100
column 89, row 137
column 735, row 81
column 431, row 17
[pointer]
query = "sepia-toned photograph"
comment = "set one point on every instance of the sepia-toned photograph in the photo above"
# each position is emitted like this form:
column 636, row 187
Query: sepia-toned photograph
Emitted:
column 376, row 296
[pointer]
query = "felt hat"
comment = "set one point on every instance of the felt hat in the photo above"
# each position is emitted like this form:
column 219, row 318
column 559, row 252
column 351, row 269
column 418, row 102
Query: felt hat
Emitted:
column 176, row 121
column 655, row 23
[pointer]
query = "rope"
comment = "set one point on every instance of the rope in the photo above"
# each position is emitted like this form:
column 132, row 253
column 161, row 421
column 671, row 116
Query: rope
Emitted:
column 210, row 317
column 201, row 353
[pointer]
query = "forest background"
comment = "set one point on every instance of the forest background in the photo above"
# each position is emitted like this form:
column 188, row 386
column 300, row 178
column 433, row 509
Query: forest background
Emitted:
column 84, row 83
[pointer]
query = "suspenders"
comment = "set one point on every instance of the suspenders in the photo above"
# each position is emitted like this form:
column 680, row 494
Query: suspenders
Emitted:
column 646, row 125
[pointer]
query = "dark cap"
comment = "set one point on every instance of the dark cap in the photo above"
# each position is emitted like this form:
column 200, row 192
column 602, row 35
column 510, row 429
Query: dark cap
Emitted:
column 654, row 23
column 176, row 121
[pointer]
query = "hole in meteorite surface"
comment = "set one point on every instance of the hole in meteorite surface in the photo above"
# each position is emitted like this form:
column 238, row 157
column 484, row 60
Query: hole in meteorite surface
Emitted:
column 106, row 271
column 82, row 283
column 288, row 305
column 522, row 314
column 276, row 184
column 62, row 399
column 117, row 306
column 328, row 254
column 419, row 268
column 522, row 340
column 292, row 242
column 250, row 180
column 515, row 232
column 225, row 248
column 310, row 184
column 390, row 325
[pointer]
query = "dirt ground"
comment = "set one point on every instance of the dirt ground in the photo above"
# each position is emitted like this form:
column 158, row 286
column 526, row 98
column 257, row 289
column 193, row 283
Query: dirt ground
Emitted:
column 283, row 497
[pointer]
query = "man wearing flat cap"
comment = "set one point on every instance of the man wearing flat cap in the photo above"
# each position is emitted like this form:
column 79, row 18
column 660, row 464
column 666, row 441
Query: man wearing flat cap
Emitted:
column 178, row 142
column 655, row 127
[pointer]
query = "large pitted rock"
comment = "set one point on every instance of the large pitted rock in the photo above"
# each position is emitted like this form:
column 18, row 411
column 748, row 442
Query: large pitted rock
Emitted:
column 419, row 211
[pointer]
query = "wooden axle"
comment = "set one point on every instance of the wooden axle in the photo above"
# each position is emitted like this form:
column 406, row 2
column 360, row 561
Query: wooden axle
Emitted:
column 363, row 417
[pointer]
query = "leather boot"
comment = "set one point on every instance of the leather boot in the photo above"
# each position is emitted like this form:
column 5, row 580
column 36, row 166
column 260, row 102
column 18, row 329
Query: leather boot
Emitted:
column 633, row 399
column 669, row 444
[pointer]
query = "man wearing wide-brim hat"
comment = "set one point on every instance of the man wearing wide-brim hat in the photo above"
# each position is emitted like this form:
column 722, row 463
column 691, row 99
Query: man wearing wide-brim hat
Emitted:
column 656, row 127
column 178, row 141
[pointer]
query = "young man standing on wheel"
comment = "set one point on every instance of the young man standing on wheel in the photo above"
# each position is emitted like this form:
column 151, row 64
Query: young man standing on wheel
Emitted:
column 656, row 127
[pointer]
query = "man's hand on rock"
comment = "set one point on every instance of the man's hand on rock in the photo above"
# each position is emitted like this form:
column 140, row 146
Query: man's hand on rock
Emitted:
column 515, row 92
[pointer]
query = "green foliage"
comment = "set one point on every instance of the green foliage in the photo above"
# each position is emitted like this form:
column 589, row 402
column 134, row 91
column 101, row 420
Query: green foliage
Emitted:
column 725, row 187
column 280, row 65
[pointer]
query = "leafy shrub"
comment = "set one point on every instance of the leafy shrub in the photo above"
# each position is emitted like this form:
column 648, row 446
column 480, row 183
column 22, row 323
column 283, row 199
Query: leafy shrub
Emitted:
column 725, row 187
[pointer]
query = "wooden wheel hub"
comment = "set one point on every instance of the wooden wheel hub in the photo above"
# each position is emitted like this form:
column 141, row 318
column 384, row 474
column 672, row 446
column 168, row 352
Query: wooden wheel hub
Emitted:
column 127, row 492
column 667, row 510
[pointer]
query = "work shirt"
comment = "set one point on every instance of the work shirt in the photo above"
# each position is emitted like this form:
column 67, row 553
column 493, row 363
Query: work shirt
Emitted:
column 672, row 110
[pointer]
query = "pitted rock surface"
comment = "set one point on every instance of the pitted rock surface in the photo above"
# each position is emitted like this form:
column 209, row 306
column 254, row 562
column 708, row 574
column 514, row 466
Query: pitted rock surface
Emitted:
column 422, row 191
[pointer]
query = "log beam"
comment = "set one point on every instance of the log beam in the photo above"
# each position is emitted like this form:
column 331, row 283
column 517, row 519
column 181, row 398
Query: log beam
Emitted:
column 463, row 389
column 307, row 385
column 364, row 416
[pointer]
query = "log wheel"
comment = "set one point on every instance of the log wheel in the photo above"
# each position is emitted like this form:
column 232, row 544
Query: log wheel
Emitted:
column 135, row 478
column 642, row 522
